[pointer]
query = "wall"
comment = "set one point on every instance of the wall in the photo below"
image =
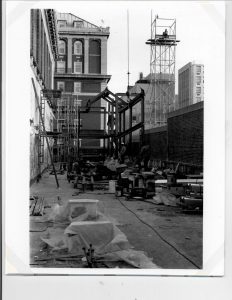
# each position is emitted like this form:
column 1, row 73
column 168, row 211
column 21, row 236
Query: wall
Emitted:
column 42, row 52
column 157, row 139
column 182, row 139
column 35, row 167
column 185, row 134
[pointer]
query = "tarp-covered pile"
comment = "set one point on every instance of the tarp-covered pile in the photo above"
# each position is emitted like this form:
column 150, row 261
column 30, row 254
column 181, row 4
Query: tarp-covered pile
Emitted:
column 87, row 228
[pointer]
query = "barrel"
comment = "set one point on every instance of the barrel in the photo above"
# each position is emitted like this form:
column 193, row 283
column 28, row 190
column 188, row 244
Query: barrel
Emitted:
column 112, row 186
column 171, row 179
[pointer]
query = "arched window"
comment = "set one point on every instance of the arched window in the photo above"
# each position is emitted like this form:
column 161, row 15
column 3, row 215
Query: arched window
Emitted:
column 78, row 48
column 62, row 47
column 95, row 56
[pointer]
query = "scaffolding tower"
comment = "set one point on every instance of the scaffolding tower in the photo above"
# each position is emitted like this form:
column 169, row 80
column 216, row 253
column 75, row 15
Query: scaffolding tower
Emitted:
column 67, row 125
column 162, row 70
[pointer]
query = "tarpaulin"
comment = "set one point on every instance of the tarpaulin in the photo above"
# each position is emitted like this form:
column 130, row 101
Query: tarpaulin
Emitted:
column 165, row 198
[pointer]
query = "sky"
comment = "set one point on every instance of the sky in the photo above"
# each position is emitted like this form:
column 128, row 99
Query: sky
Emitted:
column 200, row 29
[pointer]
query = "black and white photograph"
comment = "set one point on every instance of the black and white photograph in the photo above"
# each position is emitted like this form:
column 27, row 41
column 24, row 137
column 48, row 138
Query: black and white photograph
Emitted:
column 118, row 132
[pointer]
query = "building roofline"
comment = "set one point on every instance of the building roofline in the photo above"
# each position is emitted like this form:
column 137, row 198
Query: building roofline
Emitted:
column 52, row 29
column 186, row 109
column 83, row 76
column 94, row 33
column 85, row 20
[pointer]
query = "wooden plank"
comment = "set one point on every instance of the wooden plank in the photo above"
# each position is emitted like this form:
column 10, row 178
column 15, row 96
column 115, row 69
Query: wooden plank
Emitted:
column 32, row 207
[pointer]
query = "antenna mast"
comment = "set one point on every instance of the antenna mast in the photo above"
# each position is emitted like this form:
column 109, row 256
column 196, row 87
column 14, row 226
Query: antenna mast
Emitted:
column 128, row 53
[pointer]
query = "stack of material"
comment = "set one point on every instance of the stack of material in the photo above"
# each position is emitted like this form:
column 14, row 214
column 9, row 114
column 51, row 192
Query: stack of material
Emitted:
column 87, row 226
column 36, row 206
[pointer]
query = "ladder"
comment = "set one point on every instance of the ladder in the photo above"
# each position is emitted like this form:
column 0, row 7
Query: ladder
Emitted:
column 41, row 135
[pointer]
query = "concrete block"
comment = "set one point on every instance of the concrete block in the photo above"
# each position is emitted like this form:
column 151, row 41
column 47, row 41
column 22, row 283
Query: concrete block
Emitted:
column 81, row 206
column 84, row 233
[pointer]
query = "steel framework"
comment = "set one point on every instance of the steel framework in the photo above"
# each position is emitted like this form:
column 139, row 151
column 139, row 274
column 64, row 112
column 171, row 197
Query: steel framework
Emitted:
column 115, row 115
column 162, row 69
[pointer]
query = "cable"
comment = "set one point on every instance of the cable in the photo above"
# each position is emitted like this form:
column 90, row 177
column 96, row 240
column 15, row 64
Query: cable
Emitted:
column 159, row 235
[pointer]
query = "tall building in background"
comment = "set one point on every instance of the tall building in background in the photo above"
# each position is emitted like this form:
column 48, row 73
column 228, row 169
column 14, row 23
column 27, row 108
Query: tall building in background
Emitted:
column 81, row 73
column 190, row 84
column 43, row 53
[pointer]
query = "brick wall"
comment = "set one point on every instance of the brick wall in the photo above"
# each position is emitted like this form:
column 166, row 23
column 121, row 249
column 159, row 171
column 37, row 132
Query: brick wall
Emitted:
column 185, row 134
column 157, row 139
column 182, row 139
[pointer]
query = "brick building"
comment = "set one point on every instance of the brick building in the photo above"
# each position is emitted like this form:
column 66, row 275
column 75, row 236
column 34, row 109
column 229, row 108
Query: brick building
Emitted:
column 81, row 73
column 43, row 53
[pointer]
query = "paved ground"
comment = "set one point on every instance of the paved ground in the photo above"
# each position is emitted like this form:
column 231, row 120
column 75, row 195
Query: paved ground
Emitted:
column 170, row 237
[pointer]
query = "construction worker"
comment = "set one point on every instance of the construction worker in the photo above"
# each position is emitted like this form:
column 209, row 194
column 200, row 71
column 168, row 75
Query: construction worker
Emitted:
column 165, row 33
column 122, row 153
column 76, row 170
column 145, row 154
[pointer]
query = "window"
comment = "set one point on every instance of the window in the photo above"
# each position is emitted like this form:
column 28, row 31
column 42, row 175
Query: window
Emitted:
column 198, row 90
column 62, row 23
column 61, row 124
column 60, row 66
column 61, row 47
column 77, row 87
column 78, row 24
column 77, row 102
column 60, row 85
column 198, row 80
column 95, row 56
column 77, row 48
column 198, row 70
column 77, row 67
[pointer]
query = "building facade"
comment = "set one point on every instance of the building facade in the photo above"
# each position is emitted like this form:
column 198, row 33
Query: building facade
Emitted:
column 190, row 84
column 43, row 53
column 155, row 112
column 81, row 73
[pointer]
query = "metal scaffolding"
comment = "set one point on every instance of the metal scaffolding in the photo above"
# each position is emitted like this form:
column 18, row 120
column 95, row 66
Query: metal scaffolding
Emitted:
column 67, row 125
column 162, row 69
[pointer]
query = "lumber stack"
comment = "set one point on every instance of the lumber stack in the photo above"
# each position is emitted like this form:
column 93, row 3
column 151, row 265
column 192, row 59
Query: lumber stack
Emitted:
column 36, row 206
